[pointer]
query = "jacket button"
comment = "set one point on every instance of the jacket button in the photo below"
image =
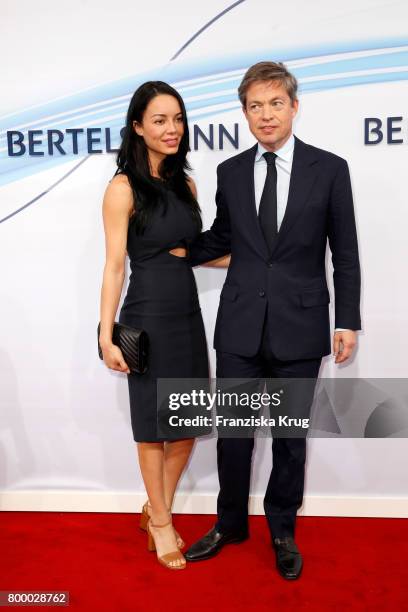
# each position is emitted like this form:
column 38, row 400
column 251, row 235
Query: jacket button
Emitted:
column 261, row 293
column 270, row 264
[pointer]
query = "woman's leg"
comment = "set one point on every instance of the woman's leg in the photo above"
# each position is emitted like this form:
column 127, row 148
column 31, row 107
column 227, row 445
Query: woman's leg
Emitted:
column 151, row 461
column 176, row 454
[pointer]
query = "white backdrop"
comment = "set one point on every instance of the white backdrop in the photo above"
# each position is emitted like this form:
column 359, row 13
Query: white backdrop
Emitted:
column 65, row 436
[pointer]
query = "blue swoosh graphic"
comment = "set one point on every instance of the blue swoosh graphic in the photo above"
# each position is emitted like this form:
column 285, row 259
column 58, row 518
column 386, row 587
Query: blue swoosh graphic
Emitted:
column 79, row 111
column 209, row 88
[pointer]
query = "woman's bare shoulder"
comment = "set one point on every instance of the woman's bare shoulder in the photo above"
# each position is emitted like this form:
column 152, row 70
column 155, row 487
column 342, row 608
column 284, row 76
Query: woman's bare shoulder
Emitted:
column 118, row 194
column 120, row 181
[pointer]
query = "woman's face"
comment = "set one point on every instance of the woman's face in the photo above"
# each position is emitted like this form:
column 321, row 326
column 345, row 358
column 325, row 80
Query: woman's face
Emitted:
column 162, row 125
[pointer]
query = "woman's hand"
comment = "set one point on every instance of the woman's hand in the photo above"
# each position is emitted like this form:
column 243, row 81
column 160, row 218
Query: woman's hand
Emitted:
column 113, row 358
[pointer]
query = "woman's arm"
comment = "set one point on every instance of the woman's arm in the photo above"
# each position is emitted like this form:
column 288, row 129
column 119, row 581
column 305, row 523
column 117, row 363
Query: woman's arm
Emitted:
column 116, row 210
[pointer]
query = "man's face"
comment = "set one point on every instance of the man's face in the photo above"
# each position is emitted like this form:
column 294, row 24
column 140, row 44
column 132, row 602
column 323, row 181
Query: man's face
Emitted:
column 270, row 113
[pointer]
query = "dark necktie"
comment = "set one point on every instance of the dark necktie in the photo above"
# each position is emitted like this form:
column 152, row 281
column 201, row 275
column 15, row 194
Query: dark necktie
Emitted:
column 268, row 207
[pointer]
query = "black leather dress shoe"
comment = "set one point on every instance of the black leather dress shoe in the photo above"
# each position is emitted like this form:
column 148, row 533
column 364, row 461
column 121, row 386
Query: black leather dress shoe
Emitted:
column 288, row 558
column 211, row 544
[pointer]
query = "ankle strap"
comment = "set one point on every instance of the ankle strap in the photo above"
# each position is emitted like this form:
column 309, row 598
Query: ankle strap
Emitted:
column 149, row 505
column 159, row 526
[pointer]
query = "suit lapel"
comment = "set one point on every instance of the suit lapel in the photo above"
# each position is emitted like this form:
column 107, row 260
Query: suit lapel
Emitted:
column 245, row 190
column 302, row 178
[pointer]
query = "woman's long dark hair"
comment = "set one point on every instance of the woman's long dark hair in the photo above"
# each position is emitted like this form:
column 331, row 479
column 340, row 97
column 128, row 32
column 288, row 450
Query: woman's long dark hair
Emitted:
column 133, row 161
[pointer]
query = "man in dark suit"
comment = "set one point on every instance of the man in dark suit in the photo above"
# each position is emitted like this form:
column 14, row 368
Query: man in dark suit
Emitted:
column 277, row 205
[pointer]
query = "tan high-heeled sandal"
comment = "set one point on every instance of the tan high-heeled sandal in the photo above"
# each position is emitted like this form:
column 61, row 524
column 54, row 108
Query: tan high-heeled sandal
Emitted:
column 168, row 558
column 144, row 519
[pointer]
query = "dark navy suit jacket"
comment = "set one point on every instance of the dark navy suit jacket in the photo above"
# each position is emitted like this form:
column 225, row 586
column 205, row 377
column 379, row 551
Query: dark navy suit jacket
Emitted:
column 290, row 281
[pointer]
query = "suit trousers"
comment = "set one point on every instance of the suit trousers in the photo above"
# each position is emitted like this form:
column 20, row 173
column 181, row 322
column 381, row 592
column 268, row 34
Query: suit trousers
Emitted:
column 284, row 493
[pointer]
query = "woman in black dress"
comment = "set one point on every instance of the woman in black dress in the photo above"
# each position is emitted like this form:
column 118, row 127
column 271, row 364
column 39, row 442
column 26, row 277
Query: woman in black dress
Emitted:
column 150, row 211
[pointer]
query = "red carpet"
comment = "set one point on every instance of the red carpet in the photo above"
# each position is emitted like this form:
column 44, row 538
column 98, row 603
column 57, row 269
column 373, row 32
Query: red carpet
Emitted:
column 101, row 559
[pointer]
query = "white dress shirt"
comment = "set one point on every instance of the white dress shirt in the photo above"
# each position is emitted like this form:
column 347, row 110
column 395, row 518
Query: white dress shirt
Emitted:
column 283, row 162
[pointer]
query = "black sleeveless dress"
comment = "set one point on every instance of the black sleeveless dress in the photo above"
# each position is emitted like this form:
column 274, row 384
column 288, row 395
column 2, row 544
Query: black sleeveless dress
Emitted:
column 162, row 299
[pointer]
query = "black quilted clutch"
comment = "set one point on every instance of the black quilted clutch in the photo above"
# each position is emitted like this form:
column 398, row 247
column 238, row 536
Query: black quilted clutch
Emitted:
column 134, row 344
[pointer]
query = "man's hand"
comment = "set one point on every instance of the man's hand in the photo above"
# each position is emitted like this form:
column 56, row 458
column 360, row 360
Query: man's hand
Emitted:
column 343, row 344
column 220, row 262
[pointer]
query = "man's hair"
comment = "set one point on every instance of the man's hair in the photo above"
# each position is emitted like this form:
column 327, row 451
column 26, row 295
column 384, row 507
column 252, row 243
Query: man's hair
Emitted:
column 268, row 71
